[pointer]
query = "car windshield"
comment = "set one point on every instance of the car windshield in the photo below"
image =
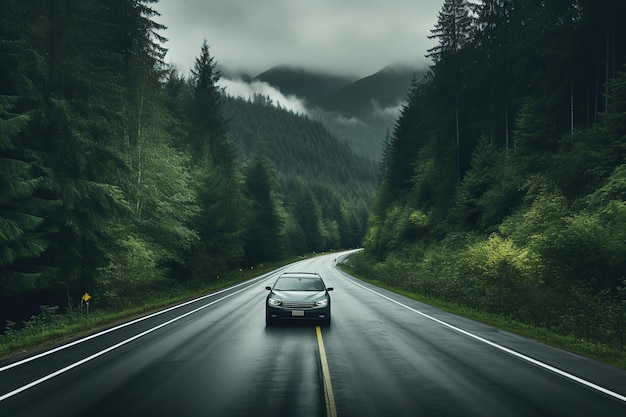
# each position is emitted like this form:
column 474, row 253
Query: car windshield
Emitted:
column 299, row 284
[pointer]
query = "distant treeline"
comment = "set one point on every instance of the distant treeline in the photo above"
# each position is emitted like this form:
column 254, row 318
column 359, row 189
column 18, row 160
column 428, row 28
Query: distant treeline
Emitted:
column 504, row 181
column 119, row 176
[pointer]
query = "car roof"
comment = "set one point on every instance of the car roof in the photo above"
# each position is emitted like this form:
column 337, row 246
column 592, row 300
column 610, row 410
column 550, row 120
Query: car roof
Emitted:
column 300, row 274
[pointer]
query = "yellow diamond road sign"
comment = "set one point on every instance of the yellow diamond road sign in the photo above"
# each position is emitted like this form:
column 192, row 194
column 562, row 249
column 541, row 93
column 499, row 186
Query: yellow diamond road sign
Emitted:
column 86, row 297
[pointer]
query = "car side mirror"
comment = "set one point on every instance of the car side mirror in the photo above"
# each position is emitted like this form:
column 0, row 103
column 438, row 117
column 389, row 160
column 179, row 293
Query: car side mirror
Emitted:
column 268, row 288
column 329, row 289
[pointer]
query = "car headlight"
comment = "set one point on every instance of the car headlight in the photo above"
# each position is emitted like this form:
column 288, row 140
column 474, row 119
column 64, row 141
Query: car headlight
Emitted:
column 321, row 303
column 273, row 302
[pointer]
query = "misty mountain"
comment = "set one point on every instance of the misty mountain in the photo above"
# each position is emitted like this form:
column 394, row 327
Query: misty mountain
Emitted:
column 302, row 83
column 364, row 112
column 298, row 146
column 359, row 111
column 385, row 89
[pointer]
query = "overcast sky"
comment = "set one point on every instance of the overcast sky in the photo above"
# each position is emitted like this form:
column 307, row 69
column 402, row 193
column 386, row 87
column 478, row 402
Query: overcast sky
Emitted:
column 353, row 37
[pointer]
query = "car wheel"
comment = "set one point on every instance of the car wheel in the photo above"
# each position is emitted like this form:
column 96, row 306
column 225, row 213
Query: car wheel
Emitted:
column 327, row 321
column 268, row 320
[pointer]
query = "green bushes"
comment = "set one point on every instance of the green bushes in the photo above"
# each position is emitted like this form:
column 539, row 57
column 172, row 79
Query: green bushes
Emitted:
column 522, row 188
column 549, row 265
column 503, row 277
column 127, row 279
column 46, row 327
column 489, row 274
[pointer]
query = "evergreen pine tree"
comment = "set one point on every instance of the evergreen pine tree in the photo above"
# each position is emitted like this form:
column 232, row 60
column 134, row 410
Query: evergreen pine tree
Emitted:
column 22, row 238
column 215, row 172
column 265, row 226
column 401, row 150
column 453, row 29
column 307, row 212
column 208, row 127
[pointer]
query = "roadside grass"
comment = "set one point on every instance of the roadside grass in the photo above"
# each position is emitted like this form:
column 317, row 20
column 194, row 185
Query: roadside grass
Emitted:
column 50, row 327
column 588, row 349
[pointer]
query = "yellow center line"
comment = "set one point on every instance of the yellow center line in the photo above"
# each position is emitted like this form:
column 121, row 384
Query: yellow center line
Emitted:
column 329, row 398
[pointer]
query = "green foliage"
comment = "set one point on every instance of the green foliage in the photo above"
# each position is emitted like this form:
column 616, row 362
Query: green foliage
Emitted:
column 488, row 274
column 131, row 273
column 218, row 222
column 615, row 118
column 401, row 150
column 265, row 229
column 505, row 278
column 25, row 198
column 543, row 216
column 167, row 203
column 322, row 185
column 18, row 186
column 298, row 147
column 453, row 29
column 612, row 191
column 122, row 178
column 295, row 238
column 470, row 209
column 517, row 170
column 536, row 132
column 207, row 129
column 401, row 225
column 308, row 214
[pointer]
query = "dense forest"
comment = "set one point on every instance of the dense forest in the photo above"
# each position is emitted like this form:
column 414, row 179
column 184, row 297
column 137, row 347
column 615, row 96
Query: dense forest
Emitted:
column 327, row 191
column 118, row 175
column 503, row 182
column 502, row 186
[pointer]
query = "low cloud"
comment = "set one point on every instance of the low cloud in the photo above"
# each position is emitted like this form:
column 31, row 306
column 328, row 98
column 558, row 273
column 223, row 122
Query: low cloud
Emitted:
column 391, row 112
column 248, row 90
column 333, row 117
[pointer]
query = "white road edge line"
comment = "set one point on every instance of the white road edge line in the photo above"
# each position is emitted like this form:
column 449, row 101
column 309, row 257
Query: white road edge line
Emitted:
column 126, row 341
column 502, row 348
column 130, row 323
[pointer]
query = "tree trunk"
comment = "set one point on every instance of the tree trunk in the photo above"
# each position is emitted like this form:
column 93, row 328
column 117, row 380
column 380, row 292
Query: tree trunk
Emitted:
column 458, row 142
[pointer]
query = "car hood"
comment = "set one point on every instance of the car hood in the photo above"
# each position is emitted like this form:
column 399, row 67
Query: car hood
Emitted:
column 302, row 296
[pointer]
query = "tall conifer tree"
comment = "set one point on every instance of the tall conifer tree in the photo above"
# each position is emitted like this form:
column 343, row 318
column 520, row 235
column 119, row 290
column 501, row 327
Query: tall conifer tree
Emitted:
column 453, row 30
column 215, row 171
column 264, row 230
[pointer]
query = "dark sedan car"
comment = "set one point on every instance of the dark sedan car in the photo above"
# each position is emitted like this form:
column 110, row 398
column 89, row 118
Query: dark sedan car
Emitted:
column 298, row 296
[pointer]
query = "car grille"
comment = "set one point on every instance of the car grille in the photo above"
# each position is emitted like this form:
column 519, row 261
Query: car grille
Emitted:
column 298, row 305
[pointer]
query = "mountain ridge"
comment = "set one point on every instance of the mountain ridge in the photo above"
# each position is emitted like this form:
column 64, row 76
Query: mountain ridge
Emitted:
column 383, row 89
column 361, row 111
column 303, row 83
column 330, row 92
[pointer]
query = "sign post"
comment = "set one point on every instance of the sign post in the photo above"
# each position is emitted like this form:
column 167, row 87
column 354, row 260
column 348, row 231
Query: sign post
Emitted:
column 84, row 301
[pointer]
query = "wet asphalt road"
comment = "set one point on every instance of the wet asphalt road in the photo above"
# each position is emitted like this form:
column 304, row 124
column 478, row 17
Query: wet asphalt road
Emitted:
column 384, row 355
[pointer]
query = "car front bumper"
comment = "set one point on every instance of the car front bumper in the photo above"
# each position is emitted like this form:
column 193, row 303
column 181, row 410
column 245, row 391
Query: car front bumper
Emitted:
column 280, row 313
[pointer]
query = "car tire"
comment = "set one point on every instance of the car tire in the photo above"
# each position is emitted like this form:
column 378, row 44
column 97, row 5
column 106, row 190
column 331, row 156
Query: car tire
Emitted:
column 268, row 320
column 327, row 321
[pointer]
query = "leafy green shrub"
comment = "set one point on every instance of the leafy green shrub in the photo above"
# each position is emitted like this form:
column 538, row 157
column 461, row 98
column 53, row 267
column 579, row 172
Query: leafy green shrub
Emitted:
column 614, row 190
column 438, row 274
column 503, row 278
column 501, row 198
column 596, row 317
column 126, row 279
column 391, row 233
